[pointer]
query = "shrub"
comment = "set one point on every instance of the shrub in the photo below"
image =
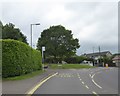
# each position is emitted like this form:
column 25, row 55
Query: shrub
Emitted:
column 76, row 59
column 18, row 58
column 71, row 60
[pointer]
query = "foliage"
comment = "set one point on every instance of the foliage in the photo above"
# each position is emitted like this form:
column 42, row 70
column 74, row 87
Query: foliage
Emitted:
column 52, row 60
column 1, row 30
column 18, row 58
column 69, row 60
column 58, row 41
column 25, row 76
column 107, row 60
column 116, row 54
column 10, row 32
column 77, row 59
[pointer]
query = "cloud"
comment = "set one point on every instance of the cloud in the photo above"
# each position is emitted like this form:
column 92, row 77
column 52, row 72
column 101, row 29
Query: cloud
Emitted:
column 97, row 26
column 93, row 23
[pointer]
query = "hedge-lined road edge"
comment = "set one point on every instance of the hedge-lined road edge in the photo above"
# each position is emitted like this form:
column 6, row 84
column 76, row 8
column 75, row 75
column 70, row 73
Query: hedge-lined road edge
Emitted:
column 19, row 58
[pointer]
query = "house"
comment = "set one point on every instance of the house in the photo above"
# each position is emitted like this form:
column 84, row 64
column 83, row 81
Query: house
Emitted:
column 96, row 56
column 87, row 62
column 116, row 60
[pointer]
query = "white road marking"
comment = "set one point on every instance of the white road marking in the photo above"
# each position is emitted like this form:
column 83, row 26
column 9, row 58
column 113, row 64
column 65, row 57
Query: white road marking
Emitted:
column 83, row 83
column 94, row 92
column 87, row 87
column 92, row 75
column 65, row 75
column 78, row 74
column 78, row 77
column 96, row 84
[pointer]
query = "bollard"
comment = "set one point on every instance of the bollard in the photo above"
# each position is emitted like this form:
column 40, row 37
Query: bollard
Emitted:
column 106, row 65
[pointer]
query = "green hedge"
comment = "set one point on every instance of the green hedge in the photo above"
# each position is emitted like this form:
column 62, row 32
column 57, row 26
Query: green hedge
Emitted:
column 17, row 58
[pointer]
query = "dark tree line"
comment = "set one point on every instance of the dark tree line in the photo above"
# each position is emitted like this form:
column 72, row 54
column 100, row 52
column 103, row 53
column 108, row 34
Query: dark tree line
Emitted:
column 10, row 32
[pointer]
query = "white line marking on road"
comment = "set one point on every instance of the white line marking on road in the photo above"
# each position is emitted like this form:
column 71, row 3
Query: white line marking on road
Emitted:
column 83, row 83
column 92, row 75
column 94, row 92
column 96, row 84
column 80, row 79
column 78, row 74
column 87, row 87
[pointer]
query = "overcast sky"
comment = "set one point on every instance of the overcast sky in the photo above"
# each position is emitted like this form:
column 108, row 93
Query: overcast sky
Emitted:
column 93, row 23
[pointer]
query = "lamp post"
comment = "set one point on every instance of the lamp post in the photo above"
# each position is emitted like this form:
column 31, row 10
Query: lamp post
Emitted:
column 31, row 37
column 93, row 57
column 31, row 30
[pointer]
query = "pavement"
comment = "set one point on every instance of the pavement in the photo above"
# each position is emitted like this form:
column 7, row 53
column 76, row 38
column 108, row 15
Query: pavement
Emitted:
column 67, row 81
column 23, row 86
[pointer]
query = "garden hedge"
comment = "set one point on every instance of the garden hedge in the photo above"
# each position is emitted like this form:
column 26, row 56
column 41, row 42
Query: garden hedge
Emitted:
column 18, row 58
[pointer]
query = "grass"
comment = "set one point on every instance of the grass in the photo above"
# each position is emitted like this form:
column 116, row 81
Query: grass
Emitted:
column 26, row 76
column 70, row 66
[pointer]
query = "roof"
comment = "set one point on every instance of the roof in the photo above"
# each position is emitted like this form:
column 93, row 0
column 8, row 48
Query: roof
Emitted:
column 117, row 57
column 97, row 54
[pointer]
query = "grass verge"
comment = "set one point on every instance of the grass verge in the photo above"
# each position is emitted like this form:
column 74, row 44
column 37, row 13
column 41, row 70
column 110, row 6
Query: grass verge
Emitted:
column 69, row 66
column 25, row 76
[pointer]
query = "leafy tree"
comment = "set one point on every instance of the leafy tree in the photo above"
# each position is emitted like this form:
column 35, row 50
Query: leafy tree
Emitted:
column 0, row 30
column 58, row 41
column 10, row 32
column 107, row 60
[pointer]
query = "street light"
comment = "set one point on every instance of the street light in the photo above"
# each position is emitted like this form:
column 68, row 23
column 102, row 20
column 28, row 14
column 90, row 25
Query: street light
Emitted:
column 31, row 30
column 31, row 36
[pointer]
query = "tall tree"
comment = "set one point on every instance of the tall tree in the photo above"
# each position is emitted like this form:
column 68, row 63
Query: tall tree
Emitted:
column 1, row 30
column 10, row 32
column 58, row 42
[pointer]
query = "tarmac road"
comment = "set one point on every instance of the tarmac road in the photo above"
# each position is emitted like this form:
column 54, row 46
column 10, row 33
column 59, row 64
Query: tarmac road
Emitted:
column 83, row 81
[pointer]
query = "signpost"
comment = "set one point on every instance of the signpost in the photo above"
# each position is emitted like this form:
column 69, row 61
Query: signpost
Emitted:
column 43, row 49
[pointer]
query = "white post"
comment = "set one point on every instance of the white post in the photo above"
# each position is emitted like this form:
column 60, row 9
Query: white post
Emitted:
column 43, row 49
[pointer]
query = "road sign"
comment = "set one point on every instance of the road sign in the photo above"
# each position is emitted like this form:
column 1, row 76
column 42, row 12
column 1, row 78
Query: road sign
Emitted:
column 43, row 48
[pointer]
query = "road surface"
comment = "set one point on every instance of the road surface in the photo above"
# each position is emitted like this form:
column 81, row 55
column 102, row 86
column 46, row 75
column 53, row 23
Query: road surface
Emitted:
column 83, row 81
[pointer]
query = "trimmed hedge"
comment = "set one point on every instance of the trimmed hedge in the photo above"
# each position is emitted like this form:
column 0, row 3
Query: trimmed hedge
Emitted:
column 18, row 58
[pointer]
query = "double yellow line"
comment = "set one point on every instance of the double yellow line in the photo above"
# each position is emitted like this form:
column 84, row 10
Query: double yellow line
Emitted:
column 39, row 84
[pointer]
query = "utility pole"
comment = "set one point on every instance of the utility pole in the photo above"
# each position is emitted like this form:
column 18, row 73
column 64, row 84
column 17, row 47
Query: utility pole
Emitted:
column 99, row 56
column 93, row 50
column 93, row 57
column 99, row 49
